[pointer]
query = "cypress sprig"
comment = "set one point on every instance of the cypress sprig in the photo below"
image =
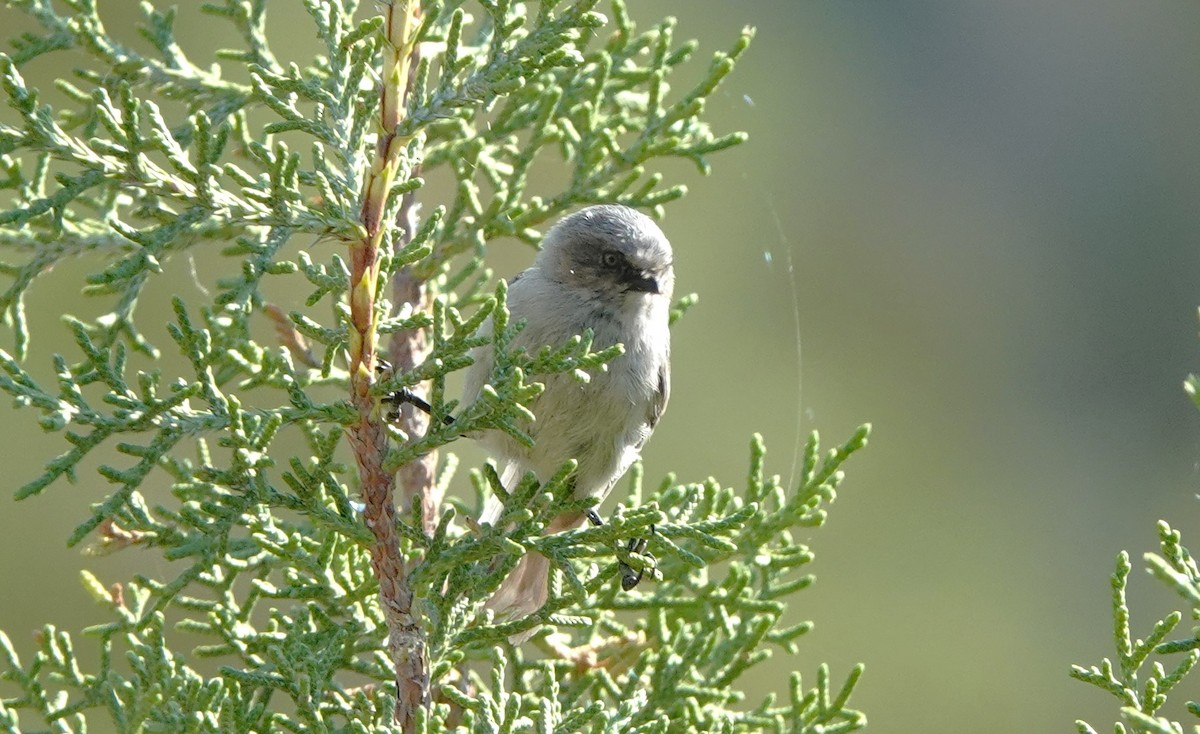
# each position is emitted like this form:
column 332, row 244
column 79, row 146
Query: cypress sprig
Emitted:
column 1147, row 670
column 1138, row 680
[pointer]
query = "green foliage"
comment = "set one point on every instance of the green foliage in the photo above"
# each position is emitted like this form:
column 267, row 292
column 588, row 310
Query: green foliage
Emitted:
column 151, row 154
column 1140, row 682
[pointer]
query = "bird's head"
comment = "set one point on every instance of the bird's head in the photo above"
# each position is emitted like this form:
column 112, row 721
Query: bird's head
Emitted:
column 611, row 250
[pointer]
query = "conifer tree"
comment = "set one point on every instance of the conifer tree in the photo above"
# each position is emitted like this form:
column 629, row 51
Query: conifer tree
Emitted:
column 335, row 582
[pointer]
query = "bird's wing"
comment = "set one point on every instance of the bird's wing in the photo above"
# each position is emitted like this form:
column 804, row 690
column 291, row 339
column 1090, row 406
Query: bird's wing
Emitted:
column 658, row 404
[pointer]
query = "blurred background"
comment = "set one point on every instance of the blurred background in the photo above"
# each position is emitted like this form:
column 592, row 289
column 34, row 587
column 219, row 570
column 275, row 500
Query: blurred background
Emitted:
column 972, row 224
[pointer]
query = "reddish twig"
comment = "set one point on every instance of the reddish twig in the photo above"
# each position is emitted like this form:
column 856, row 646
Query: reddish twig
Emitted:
column 290, row 337
column 367, row 434
column 408, row 349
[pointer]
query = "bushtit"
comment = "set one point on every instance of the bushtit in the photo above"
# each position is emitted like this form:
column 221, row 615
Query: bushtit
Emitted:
column 606, row 268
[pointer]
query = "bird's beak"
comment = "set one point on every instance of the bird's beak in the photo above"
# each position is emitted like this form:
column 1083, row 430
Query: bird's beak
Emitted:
column 644, row 282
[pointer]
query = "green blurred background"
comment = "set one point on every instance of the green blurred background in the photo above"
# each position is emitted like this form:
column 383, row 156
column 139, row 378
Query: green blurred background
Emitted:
column 969, row 223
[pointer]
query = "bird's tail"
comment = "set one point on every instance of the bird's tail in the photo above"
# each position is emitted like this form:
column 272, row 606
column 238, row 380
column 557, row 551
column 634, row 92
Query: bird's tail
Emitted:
column 524, row 590
column 526, row 587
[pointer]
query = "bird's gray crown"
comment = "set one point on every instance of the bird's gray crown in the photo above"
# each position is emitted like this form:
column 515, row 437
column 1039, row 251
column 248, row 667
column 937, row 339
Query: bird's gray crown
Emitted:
column 608, row 247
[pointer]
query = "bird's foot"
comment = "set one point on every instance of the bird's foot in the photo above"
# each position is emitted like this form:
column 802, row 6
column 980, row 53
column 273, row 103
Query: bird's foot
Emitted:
column 630, row 576
column 404, row 395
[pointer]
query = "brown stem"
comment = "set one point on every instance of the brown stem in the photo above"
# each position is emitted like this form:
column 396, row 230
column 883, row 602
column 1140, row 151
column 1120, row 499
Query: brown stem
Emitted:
column 290, row 337
column 408, row 349
column 367, row 435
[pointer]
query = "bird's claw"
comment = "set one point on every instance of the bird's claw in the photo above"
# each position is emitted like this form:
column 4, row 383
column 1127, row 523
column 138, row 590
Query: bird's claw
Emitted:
column 630, row 576
column 399, row 397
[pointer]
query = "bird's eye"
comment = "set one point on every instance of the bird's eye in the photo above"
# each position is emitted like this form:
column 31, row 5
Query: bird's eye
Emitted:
column 610, row 259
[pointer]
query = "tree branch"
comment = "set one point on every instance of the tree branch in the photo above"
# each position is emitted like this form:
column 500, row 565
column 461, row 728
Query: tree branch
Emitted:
column 408, row 349
column 368, row 436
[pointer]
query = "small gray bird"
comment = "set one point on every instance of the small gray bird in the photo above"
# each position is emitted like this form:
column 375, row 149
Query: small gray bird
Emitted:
column 606, row 268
